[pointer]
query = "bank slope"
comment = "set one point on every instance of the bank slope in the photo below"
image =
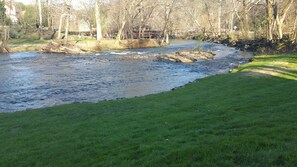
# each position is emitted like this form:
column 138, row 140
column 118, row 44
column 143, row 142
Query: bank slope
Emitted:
column 246, row 118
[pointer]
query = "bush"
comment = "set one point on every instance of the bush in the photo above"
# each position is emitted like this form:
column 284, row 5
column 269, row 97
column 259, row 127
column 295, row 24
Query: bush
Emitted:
column 14, row 34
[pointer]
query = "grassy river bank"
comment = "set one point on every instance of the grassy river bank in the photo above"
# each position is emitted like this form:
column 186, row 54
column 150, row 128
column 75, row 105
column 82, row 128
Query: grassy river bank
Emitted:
column 244, row 118
column 89, row 45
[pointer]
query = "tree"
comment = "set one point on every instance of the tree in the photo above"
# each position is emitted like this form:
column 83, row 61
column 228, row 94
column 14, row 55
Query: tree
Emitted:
column 2, row 12
column 98, row 20
column 86, row 13
column 66, row 12
column 40, row 26
column 219, row 17
column 280, row 15
column 168, row 9
column 127, row 10
column 49, row 15
column 210, row 17
column 269, row 11
column 68, row 7
column 3, row 21
column 276, row 15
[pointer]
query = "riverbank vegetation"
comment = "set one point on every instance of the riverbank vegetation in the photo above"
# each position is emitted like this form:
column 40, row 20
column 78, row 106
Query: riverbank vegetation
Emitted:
column 244, row 118
column 268, row 23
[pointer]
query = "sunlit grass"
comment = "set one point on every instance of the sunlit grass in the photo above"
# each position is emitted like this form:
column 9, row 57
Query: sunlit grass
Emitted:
column 284, row 66
column 27, row 41
column 234, row 119
column 85, row 43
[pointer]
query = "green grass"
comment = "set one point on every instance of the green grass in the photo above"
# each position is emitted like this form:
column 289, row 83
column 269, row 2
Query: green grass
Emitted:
column 85, row 43
column 245, row 118
column 27, row 41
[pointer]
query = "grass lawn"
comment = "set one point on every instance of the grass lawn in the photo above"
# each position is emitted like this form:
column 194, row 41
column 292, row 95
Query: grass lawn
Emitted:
column 245, row 118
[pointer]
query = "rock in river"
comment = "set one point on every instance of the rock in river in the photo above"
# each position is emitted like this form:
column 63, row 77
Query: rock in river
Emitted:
column 188, row 56
column 60, row 47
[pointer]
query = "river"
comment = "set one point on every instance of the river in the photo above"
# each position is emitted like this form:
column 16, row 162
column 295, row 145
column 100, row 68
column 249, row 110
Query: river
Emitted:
column 31, row 80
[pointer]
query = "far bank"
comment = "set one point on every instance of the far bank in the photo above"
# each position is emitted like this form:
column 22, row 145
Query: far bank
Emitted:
column 86, row 45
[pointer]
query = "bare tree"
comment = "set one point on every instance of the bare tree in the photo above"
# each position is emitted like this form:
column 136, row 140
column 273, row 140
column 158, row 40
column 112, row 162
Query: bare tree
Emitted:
column 61, row 23
column 280, row 15
column 269, row 10
column 294, row 31
column 86, row 14
column 276, row 15
column 168, row 9
column 127, row 10
column 210, row 18
column 98, row 20
column 49, row 15
column 40, row 26
column 68, row 13
column 219, row 16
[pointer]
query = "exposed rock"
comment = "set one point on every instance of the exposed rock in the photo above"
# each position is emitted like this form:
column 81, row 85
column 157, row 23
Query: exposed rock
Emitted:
column 60, row 47
column 188, row 56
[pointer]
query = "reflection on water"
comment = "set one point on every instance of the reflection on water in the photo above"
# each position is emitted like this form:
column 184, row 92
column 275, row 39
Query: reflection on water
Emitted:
column 34, row 80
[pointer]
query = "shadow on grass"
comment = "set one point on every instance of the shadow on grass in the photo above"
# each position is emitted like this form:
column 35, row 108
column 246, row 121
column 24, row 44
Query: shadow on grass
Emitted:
column 270, row 70
column 283, row 66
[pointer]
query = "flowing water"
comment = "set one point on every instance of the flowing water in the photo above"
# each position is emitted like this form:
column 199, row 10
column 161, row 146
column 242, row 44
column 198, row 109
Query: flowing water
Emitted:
column 31, row 80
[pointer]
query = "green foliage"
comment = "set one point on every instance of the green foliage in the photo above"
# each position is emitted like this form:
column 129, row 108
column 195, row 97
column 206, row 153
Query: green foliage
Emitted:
column 2, row 12
column 245, row 118
column 29, row 16
column 28, row 41
column 14, row 34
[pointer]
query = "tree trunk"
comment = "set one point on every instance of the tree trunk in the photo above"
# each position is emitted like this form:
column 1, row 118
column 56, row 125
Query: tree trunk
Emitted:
column 60, row 26
column 49, row 15
column 294, row 31
column 139, row 31
column 40, row 19
column 280, row 16
column 67, row 28
column 210, row 18
column 68, row 5
column 98, row 20
column 124, row 21
column 219, row 17
column 5, row 35
column 231, row 28
column 269, row 11
column 4, row 28
column 167, row 38
column 245, row 20
column 120, row 32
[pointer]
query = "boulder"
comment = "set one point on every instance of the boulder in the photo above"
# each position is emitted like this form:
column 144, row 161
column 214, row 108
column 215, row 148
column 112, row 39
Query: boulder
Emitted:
column 60, row 47
column 188, row 56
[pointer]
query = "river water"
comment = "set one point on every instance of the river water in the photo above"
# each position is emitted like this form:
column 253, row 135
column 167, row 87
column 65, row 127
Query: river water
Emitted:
column 31, row 80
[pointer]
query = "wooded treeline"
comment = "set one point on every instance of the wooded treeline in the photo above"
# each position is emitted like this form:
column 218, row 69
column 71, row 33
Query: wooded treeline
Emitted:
column 121, row 19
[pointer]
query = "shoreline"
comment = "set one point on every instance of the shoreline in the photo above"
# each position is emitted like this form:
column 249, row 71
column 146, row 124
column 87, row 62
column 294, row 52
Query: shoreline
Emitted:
column 259, row 45
column 89, row 46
